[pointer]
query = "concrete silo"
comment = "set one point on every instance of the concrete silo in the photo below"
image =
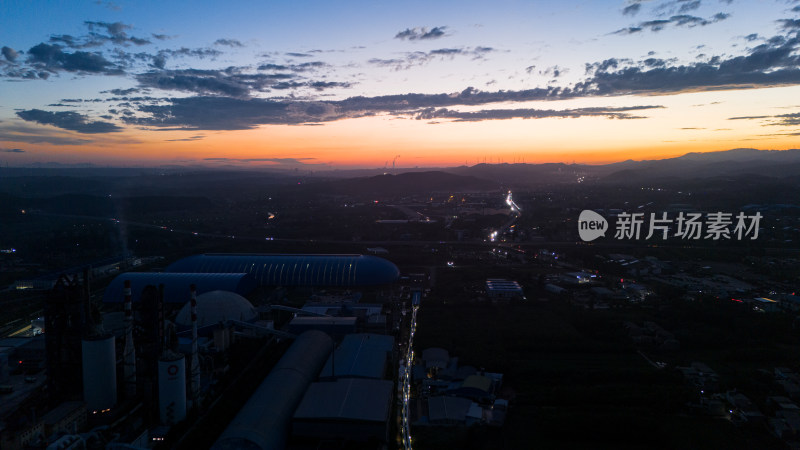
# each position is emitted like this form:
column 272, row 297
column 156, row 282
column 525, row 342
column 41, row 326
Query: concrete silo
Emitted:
column 99, row 373
column 172, row 388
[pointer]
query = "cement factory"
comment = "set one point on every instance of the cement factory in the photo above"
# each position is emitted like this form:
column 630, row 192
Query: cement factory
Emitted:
column 165, row 359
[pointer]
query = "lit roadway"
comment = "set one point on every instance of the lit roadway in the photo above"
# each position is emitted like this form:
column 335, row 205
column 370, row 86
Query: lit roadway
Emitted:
column 406, row 429
column 515, row 213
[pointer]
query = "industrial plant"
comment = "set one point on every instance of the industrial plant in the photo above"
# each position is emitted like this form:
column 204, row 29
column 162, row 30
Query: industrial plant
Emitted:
column 160, row 355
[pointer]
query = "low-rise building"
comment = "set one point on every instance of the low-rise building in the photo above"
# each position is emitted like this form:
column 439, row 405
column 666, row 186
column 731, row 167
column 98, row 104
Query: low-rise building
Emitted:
column 500, row 289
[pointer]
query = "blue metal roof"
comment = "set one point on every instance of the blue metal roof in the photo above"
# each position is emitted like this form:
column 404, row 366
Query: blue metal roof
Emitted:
column 176, row 285
column 296, row 270
column 348, row 400
column 359, row 356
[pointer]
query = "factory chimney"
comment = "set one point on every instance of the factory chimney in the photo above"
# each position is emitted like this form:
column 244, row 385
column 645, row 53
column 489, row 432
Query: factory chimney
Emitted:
column 195, row 362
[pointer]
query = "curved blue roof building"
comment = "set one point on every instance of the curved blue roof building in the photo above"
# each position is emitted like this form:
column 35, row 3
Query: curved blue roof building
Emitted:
column 296, row 270
column 176, row 285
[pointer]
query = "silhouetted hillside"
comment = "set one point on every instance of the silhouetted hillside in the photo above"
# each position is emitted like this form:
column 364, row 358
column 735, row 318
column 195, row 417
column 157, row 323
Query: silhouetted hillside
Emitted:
column 404, row 183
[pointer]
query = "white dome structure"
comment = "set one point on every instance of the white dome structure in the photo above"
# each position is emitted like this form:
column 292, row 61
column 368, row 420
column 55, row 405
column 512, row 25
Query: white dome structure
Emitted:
column 216, row 306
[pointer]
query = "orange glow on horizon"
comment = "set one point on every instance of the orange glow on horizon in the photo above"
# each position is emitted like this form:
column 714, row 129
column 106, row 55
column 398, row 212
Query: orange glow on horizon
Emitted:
column 377, row 141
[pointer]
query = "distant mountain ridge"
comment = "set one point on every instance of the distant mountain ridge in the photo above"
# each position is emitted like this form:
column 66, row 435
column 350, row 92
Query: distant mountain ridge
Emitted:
column 735, row 163
column 190, row 180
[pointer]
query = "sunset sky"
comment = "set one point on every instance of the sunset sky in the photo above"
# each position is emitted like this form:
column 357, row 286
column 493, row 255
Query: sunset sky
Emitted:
column 319, row 84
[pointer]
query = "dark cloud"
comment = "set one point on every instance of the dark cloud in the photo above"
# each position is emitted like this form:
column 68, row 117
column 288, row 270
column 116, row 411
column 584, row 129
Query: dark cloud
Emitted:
column 751, row 37
column 446, row 51
column 604, row 66
column 189, row 139
column 552, row 71
column 628, row 30
column 191, row 52
column 121, row 91
column 502, row 114
column 394, row 62
column 100, row 33
column 412, row 59
column 230, row 82
column 790, row 24
column 689, row 5
column 312, row 65
column 225, row 113
column 161, row 37
column 10, row 54
column 51, row 58
column 116, row 33
column 159, row 59
column 299, row 55
column 631, row 9
column 71, row 41
column 788, row 119
column 68, row 120
column 34, row 134
column 321, row 85
column 304, row 67
column 408, row 61
column 288, row 85
column 680, row 20
column 656, row 25
column 270, row 66
column 421, row 33
column 764, row 65
column 229, row 42
column 654, row 62
column 785, row 120
column 192, row 80
column 12, row 150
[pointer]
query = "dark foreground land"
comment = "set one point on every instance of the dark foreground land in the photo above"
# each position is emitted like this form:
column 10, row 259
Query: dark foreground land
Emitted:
column 574, row 375
column 579, row 382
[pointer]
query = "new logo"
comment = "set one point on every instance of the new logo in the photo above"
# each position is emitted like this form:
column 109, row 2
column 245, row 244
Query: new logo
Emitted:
column 591, row 225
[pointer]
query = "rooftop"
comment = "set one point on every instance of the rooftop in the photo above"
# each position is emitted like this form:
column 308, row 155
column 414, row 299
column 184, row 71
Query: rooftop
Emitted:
column 296, row 270
column 361, row 356
column 353, row 399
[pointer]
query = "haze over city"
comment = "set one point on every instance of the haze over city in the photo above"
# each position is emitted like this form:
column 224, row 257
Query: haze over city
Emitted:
column 321, row 85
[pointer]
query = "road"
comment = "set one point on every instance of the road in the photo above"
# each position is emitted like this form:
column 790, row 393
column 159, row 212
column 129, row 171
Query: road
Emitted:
column 22, row 331
column 406, row 426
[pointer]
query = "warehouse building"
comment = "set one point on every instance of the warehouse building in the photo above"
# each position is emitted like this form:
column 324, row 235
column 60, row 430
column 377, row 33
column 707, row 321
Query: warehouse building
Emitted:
column 352, row 409
column 336, row 327
column 359, row 356
column 264, row 420
column 295, row 270
column 500, row 289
